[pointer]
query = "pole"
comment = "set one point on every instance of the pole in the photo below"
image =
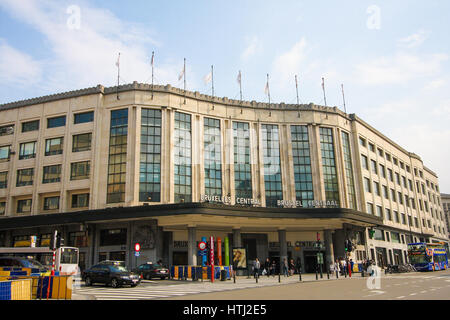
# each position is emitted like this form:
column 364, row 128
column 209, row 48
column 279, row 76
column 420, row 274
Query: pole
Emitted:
column 153, row 62
column 240, row 84
column 296, row 87
column 212, row 80
column 184, row 75
column 343, row 98
column 118, row 76
column 268, row 89
column 323, row 88
column 212, row 258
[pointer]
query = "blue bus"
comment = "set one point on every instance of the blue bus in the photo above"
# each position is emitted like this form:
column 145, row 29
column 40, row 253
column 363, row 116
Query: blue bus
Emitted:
column 428, row 256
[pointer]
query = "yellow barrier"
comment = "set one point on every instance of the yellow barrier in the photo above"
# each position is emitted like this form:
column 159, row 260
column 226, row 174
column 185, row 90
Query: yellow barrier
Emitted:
column 21, row 290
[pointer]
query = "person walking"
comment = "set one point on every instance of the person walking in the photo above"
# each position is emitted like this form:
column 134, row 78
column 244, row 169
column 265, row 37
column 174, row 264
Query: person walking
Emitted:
column 256, row 267
column 291, row 267
column 337, row 268
column 299, row 265
column 267, row 265
column 285, row 268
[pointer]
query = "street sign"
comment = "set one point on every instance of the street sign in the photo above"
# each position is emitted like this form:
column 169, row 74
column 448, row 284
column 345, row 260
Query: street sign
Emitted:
column 137, row 247
column 202, row 245
column 137, row 253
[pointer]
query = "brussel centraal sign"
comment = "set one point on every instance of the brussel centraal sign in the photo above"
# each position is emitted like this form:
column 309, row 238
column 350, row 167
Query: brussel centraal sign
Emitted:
column 280, row 203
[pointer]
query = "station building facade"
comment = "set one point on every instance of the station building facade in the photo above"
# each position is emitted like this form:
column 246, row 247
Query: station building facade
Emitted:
column 164, row 167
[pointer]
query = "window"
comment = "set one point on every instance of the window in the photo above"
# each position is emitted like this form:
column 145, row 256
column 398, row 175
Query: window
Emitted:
column 404, row 182
column 388, row 214
column 56, row 122
column 364, row 162
column 2, row 208
column 79, row 170
column 378, row 235
column 113, row 237
column 81, row 142
column 397, row 178
column 52, row 174
column 369, row 208
column 242, row 166
column 83, row 117
column 272, row 168
column 403, row 218
column 388, row 157
column 410, row 185
column 390, row 175
column 379, row 212
column 373, row 165
column 385, row 192
column 408, row 169
column 25, row 177
column 367, row 187
column 182, row 158
column 4, row 180
column 396, row 217
column 416, row 222
column 80, row 200
column 402, row 165
column 117, row 160
column 51, row 203
column 212, row 157
column 348, row 170
column 54, row 146
column 150, row 165
column 6, row 130
column 371, row 147
column 329, row 165
column 395, row 236
column 382, row 171
column 400, row 197
column 393, row 196
column 24, row 206
column 395, row 161
column 30, row 126
column 376, row 187
column 362, row 142
column 27, row 150
column 4, row 153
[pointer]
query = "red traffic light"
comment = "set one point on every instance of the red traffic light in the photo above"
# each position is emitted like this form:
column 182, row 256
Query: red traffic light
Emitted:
column 137, row 247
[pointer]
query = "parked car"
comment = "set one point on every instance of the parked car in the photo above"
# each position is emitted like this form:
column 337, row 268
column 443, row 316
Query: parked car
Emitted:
column 113, row 262
column 149, row 270
column 22, row 262
column 112, row 274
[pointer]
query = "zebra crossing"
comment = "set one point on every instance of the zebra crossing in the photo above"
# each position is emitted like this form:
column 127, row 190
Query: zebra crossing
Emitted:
column 148, row 290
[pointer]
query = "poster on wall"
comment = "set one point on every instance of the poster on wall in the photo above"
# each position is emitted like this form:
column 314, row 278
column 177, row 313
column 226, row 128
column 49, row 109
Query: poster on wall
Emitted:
column 240, row 258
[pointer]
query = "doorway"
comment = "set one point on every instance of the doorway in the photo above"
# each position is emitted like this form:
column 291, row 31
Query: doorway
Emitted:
column 310, row 261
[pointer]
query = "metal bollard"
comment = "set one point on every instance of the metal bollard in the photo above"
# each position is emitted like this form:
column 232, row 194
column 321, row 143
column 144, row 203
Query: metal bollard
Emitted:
column 279, row 276
column 234, row 276
column 317, row 275
column 328, row 274
column 257, row 276
column 300, row 275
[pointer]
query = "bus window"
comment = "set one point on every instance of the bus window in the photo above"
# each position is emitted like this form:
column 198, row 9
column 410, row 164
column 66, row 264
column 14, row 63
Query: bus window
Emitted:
column 69, row 256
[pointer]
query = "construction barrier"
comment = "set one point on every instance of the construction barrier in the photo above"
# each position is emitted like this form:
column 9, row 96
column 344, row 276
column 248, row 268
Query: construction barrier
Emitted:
column 16, row 290
column 187, row 272
column 60, row 287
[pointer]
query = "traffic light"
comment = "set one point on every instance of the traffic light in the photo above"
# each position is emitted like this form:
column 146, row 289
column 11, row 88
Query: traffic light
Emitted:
column 59, row 241
column 53, row 240
column 371, row 233
column 350, row 246
column 346, row 245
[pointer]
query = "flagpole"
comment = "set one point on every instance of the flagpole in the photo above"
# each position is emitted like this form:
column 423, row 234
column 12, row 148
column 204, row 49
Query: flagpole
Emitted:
column 324, row 96
column 240, row 84
column 268, row 89
column 343, row 98
column 184, row 74
column 153, row 61
column 118, row 76
column 296, row 87
column 212, row 80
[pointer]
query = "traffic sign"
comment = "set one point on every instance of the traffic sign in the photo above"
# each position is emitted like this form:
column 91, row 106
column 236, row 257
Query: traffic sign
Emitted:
column 137, row 253
column 137, row 247
column 202, row 245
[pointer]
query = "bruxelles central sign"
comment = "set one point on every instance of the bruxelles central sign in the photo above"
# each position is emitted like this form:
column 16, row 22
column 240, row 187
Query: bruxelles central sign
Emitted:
column 280, row 203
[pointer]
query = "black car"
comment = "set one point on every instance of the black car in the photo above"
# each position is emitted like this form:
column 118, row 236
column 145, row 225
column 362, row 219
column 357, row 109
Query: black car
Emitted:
column 115, row 275
column 150, row 270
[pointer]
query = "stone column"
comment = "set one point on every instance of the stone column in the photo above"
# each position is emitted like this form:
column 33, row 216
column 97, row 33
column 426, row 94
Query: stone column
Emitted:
column 283, row 247
column 237, row 240
column 192, row 246
column 328, row 248
column 339, row 243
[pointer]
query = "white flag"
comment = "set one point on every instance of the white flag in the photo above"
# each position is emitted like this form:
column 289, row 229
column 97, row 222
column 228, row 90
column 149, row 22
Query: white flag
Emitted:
column 181, row 74
column 239, row 77
column 118, row 61
column 207, row 79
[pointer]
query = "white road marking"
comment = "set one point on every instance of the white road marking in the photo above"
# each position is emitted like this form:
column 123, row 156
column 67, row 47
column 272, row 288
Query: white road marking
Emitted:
column 401, row 297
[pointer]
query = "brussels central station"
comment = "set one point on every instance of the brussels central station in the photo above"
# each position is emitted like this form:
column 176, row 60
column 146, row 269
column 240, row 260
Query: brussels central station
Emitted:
column 165, row 167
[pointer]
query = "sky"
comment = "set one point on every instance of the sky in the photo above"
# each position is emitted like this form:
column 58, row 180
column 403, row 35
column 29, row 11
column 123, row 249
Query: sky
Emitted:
column 391, row 56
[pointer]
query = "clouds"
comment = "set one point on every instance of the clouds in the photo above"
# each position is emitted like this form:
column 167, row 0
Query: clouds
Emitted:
column 414, row 40
column 254, row 46
column 17, row 67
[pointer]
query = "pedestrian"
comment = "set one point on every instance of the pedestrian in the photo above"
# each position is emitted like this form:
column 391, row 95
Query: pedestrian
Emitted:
column 299, row 265
column 337, row 268
column 273, row 268
column 285, row 268
column 256, row 267
column 344, row 265
column 291, row 267
column 267, row 265
column 341, row 266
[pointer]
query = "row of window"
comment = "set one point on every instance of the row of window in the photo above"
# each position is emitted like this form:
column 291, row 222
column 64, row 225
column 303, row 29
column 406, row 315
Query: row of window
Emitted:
column 53, row 122
column 49, row 203
column 25, row 177
column 53, row 146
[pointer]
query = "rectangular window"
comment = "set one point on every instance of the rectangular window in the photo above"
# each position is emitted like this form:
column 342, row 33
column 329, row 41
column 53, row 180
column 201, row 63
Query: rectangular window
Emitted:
column 390, row 175
column 242, row 166
column 410, row 185
column 117, row 160
column 395, row 237
column 56, row 122
column 183, row 158
column 6, row 130
column 25, row 177
column 388, row 214
column 54, row 146
column 364, row 162
column 52, row 174
column 113, row 237
column 371, row 147
column 212, row 156
column 416, row 222
column 302, row 165
column 373, row 165
column 393, row 196
column 150, row 164
column 388, row 157
column 376, row 187
column 83, row 117
column 51, row 203
column 81, row 142
column 4, row 180
column 397, row 178
column 378, row 235
column 400, row 197
column 80, row 170
column 385, row 192
column 329, row 165
column 362, row 142
column 367, row 186
column 403, row 218
column 380, row 152
column 2, row 208
column 382, row 171
column 80, row 200
column 396, row 217
column 379, row 212
column 27, row 150
column 404, row 182
column 30, row 126
column 272, row 167
column 369, row 208
column 24, row 206
column 349, row 170
column 5, row 153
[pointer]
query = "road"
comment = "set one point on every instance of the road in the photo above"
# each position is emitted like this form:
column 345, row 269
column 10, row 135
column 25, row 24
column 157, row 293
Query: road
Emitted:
column 406, row 286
